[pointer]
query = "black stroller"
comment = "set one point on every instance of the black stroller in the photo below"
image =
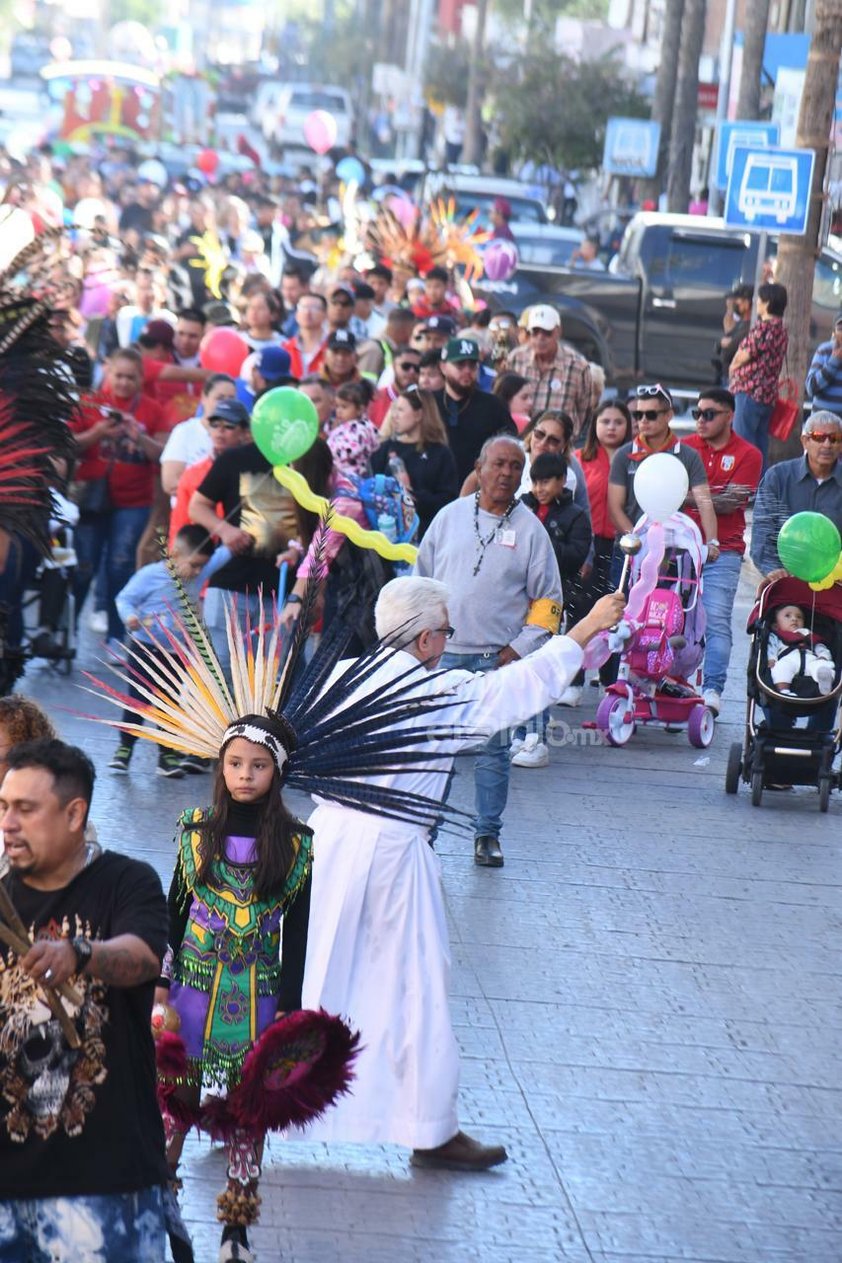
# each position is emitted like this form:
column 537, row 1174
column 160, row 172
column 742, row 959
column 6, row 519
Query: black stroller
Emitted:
column 775, row 753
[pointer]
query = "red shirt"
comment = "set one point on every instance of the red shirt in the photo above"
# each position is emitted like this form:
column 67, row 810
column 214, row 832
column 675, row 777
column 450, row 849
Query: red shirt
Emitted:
column 596, row 480
column 296, row 366
column 189, row 482
column 423, row 310
column 131, row 473
column 178, row 400
column 766, row 344
column 737, row 464
column 380, row 405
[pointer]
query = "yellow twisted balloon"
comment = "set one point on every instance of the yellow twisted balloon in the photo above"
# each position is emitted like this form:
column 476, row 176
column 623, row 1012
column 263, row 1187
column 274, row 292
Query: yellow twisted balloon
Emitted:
column 297, row 484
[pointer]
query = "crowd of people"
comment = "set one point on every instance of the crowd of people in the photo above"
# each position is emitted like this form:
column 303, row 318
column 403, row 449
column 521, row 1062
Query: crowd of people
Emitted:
column 521, row 473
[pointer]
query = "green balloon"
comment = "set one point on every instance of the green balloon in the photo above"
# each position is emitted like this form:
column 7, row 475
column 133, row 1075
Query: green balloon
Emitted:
column 284, row 424
column 808, row 546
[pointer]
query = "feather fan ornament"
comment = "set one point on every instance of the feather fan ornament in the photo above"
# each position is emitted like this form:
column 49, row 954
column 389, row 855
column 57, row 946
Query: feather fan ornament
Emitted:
column 344, row 727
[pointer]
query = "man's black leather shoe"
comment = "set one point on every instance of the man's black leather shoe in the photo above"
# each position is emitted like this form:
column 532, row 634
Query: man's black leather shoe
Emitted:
column 487, row 851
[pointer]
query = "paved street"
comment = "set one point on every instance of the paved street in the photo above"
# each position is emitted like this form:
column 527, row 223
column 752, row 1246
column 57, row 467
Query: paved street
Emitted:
column 647, row 1002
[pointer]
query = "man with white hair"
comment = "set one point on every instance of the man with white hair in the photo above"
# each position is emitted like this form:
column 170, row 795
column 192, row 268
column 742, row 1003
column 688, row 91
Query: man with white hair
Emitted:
column 497, row 560
column 377, row 948
column 811, row 482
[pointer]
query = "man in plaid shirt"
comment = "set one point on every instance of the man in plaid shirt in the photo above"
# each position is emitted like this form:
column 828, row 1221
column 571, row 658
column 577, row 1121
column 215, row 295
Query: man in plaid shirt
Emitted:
column 560, row 376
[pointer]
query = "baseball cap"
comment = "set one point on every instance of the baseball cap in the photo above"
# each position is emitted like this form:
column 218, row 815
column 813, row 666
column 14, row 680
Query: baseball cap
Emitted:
column 544, row 317
column 158, row 333
column 363, row 290
column 503, row 207
column 230, row 410
column 456, row 350
column 838, row 321
column 343, row 291
column 273, row 364
column 342, row 340
column 440, row 324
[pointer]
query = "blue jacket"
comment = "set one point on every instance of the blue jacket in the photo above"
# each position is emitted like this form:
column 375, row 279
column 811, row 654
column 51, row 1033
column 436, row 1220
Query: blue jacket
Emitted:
column 151, row 594
column 824, row 380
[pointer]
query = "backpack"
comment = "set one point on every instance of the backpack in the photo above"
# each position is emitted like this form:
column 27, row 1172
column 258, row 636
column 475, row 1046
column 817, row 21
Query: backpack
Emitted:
column 388, row 506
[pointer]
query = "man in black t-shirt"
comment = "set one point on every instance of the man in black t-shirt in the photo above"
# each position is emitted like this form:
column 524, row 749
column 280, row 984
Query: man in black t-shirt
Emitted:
column 470, row 415
column 259, row 521
column 81, row 1138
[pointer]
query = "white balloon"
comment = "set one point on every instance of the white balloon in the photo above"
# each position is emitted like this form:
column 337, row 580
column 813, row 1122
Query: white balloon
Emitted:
column 86, row 211
column 661, row 485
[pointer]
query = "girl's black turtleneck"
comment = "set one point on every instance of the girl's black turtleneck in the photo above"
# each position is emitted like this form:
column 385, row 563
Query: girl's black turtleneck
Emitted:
column 244, row 818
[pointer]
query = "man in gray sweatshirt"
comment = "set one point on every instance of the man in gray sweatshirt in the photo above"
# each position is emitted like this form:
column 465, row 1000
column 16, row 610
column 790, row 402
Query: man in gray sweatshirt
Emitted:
column 498, row 563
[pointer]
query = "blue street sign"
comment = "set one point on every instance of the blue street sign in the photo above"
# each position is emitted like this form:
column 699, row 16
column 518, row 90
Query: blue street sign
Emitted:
column 769, row 189
column 631, row 147
column 744, row 132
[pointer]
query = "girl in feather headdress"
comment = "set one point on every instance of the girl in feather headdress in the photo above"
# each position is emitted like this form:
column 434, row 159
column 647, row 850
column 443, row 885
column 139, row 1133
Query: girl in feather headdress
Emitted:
column 239, row 905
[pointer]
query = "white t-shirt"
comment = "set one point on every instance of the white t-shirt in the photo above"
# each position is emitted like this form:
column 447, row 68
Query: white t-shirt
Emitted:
column 188, row 442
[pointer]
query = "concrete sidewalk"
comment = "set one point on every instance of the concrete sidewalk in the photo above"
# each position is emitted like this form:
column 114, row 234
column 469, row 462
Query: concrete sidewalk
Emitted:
column 647, row 1002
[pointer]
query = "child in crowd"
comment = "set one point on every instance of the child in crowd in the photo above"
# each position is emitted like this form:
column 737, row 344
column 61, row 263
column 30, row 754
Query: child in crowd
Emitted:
column 569, row 530
column 352, row 438
column 430, row 376
column 794, row 651
column 145, row 605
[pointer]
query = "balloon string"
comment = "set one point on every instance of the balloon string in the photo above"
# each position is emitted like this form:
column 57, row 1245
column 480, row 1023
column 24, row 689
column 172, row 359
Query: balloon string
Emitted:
column 300, row 489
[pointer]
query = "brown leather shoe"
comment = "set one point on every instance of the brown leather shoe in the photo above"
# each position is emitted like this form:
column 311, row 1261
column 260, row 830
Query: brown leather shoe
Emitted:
column 460, row 1153
column 487, row 852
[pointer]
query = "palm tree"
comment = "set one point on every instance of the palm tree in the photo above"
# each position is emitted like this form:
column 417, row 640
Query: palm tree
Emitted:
column 754, row 40
column 686, row 106
column 796, row 264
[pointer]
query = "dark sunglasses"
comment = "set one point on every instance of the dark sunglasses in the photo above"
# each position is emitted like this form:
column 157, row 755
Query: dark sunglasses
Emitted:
column 649, row 414
column 825, row 438
column 706, row 414
column 551, row 440
column 540, row 333
column 409, row 366
column 447, row 632
column 216, row 423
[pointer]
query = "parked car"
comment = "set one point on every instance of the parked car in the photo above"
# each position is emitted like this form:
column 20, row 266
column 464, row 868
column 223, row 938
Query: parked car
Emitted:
column 479, row 192
column 657, row 313
column 283, row 125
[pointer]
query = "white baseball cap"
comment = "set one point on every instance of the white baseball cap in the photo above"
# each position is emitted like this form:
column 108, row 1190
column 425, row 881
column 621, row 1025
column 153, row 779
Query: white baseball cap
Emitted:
column 544, row 317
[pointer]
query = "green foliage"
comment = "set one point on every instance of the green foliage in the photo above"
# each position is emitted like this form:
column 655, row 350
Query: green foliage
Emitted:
column 545, row 12
column 552, row 109
column 447, row 73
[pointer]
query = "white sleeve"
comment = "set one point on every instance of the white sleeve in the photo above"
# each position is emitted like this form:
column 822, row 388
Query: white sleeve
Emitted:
column 175, row 447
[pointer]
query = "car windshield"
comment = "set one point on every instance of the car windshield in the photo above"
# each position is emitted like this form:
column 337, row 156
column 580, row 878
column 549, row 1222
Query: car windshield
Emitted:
column 523, row 208
column 543, row 253
column 316, row 100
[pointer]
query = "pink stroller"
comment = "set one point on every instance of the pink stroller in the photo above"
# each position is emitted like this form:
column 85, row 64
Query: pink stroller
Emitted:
column 660, row 665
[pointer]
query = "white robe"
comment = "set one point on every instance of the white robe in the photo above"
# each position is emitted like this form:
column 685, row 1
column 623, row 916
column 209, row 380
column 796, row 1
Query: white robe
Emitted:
column 377, row 948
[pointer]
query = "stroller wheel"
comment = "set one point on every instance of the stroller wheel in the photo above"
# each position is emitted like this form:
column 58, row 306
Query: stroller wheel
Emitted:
column 615, row 717
column 756, row 788
column 735, row 767
column 701, row 725
column 825, row 786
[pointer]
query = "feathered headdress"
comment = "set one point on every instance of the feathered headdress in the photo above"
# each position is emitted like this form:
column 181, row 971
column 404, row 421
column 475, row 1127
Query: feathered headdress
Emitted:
column 438, row 239
column 37, row 393
column 330, row 734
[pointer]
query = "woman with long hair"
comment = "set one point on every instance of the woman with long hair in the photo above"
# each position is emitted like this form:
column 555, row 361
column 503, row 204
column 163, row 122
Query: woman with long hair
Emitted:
column 756, row 369
column 552, row 432
column 264, row 312
column 609, row 428
column 415, row 450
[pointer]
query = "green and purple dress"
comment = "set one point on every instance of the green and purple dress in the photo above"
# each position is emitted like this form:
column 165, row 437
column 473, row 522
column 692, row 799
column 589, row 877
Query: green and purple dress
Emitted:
column 234, row 959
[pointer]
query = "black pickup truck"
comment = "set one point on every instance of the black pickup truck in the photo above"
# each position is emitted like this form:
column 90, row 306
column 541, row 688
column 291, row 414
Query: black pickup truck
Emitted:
column 657, row 313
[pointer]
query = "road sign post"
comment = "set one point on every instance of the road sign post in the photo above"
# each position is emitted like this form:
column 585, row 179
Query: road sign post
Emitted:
column 769, row 189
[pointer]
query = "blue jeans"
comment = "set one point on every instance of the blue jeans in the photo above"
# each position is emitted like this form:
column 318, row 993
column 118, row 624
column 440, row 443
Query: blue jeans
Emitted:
column 95, row 1228
column 751, row 422
column 215, row 614
column 823, row 718
column 113, row 537
column 720, row 588
column 491, row 766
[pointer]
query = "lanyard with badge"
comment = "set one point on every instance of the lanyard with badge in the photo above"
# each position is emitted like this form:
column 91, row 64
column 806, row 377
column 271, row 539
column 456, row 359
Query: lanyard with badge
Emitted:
column 505, row 535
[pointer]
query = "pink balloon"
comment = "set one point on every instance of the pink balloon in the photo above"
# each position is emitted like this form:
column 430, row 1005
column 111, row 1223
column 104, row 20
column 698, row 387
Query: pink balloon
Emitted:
column 404, row 210
column 320, row 131
column 500, row 259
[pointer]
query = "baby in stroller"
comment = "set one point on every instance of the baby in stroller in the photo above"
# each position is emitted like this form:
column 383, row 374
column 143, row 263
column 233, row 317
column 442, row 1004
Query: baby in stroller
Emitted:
column 799, row 662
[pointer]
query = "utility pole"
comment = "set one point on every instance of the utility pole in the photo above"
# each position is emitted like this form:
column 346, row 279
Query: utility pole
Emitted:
column 726, row 51
column 756, row 25
column 473, row 121
column 664, row 100
column 796, row 264
column 686, row 106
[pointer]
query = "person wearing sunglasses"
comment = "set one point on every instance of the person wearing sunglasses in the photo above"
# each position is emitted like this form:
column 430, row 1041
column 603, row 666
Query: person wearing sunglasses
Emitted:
column 652, row 409
column 406, row 366
column 733, row 468
column 228, row 426
column 812, row 482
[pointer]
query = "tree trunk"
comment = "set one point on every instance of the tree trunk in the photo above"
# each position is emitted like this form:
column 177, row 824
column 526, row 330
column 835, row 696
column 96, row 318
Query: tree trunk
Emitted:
column 473, row 121
column 664, row 100
column 797, row 255
column 754, row 39
column 686, row 106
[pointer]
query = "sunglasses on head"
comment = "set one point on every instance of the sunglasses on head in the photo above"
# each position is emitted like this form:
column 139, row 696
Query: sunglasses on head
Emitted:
column 706, row 414
column 653, row 392
column 823, row 437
